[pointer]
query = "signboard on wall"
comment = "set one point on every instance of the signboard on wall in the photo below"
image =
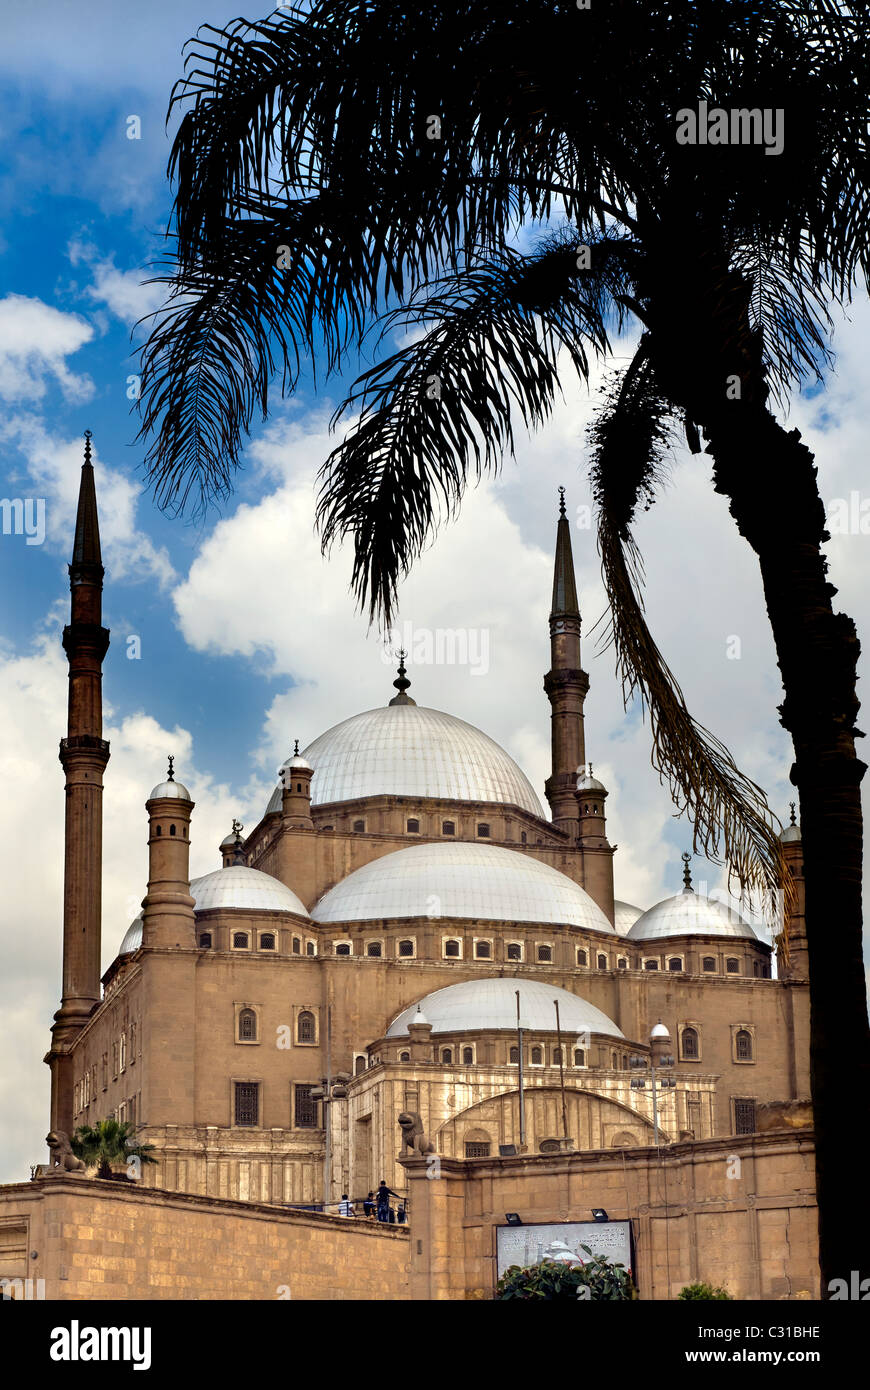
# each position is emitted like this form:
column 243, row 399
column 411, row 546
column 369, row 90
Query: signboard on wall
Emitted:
column 528, row 1245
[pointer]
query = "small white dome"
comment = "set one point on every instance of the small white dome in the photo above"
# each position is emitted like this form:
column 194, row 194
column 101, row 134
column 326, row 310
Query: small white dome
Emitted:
column 236, row 888
column 298, row 761
column 407, row 750
column 690, row 914
column 476, row 1004
column 625, row 916
column 791, row 835
column 228, row 841
column 587, row 783
column 659, row 1031
column 486, row 882
column 174, row 790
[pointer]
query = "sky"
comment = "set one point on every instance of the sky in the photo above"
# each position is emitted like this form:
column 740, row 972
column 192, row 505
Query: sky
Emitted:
column 232, row 637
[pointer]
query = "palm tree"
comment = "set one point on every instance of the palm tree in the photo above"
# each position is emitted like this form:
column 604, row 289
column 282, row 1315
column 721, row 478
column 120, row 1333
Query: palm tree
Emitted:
column 356, row 168
column 107, row 1142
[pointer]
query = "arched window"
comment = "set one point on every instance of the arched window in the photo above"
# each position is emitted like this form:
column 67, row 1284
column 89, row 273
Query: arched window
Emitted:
column 359, row 1066
column 582, row 957
column 451, row 948
column 297, row 946
column 537, row 1056
column 247, row 1025
column 483, row 831
column 732, row 967
column 309, row 948
column 467, row 1055
column 240, row 940
column 404, row 1056
column 579, row 1057
column 743, row 1045
column 267, row 941
column 614, row 1061
column 675, row 964
column 172, row 829
column 406, row 948
column 448, row 827
column 514, row 951
column 523, row 837
column 483, row 950
column 557, row 1056
column 359, row 825
column 602, row 962
column 205, row 939
column 160, row 830
column 373, row 948
column 342, row 948
column 514, row 1055
column 689, row 1041
column 305, row 1028
column 708, row 963
column 413, row 826
column 447, row 1054
column 650, row 965
column 622, row 963
column 545, row 953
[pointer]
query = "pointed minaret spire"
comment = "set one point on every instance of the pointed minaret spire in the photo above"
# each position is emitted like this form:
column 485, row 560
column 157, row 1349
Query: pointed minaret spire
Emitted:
column 565, row 683
column 402, row 683
column 83, row 755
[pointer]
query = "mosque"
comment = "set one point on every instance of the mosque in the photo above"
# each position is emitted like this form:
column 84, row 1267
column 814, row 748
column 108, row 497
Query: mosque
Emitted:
column 406, row 930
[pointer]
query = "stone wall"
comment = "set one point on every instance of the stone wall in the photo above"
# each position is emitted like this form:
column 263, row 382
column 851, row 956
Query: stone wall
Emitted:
column 737, row 1212
column 100, row 1240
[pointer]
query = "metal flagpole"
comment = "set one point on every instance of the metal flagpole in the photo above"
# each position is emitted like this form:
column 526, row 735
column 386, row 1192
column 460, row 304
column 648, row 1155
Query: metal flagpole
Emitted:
column 561, row 1071
column 520, row 1075
column 327, row 1106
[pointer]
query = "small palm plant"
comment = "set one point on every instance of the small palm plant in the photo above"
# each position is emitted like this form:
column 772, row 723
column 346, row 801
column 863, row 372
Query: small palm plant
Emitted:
column 109, row 1142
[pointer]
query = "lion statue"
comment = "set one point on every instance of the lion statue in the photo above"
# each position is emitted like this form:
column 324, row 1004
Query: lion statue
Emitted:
column 413, row 1137
column 63, row 1160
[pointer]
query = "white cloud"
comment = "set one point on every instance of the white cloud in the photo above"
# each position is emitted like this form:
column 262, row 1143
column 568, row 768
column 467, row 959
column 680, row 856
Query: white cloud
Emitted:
column 55, row 467
column 35, row 341
column 125, row 292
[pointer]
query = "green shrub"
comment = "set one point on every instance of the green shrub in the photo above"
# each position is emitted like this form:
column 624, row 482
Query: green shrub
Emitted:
column 109, row 1142
column 704, row 1291
column 594, row 1281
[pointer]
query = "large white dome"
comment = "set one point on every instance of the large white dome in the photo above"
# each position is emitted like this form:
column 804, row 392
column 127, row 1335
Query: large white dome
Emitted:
column 690, row 914
column 407, row 750
column 236, row 887
column 486, row 882
column 477, row 1004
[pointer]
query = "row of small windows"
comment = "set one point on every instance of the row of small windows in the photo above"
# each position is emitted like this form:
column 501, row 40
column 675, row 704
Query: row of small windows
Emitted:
column 412, row 827
column 306, row 1026
column 267, row 941
column 159, row 831
column 246, row 1105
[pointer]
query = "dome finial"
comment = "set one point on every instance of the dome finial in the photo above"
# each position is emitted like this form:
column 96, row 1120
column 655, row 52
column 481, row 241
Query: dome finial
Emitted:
column 238, row 854
column 88, row 437
column 687, row 873
column 791, row 808
column 402, row 683
column 561, row 501
column 170, row 776
column 296, row 748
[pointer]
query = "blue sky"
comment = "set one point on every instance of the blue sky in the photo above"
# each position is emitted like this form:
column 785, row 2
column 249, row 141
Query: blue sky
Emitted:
column 249, row 639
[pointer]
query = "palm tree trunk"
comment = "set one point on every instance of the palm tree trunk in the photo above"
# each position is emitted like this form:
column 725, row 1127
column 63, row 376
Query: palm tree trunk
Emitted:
column 771, row 484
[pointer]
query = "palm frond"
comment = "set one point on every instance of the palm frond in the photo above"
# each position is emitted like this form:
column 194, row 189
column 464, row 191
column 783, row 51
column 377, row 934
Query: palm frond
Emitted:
column 441, row 408
column 729, row 813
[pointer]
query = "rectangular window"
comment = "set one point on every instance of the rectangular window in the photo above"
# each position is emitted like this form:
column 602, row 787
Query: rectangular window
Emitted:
column 744, row 1116
column 305, row 1113
column 247, row 1103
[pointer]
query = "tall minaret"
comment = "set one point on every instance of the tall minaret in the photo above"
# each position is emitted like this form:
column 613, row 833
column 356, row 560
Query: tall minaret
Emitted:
column 566, row 684
column 83, row 755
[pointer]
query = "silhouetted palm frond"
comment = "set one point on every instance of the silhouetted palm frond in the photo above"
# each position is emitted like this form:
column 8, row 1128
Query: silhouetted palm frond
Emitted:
column 441, row 408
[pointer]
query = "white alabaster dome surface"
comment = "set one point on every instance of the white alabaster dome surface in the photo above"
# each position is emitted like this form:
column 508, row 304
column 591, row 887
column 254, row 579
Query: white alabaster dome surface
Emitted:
column 477, row 1004
column 625, row 916
column 235, row 887
column 408, row 750
column 486, row 882
column 690, row 914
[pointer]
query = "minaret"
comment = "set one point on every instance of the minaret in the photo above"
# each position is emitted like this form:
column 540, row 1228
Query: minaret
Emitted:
column 791, row 945
column 83, row 755
column 565, row 683
column 167, row 908
column 592, row 838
